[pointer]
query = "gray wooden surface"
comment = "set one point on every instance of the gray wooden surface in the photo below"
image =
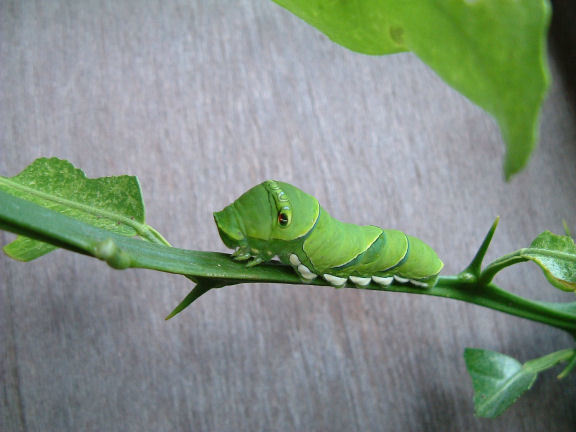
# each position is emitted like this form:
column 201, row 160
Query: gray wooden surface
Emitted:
column 203, row 100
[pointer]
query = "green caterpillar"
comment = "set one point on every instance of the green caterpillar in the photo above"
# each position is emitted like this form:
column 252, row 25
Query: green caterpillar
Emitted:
column 276, row 218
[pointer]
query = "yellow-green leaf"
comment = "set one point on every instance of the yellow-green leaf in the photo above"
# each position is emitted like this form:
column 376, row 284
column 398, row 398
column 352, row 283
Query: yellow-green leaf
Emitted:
column 499, row 380
column 112, row 203
column 492, row 51
column 556, row 256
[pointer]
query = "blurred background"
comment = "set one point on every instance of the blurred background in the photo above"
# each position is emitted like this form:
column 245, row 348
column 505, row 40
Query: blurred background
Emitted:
column 203, row 100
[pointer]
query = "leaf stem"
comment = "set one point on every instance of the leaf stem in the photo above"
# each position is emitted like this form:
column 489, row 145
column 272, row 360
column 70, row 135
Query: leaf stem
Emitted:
column 546, row 362
column 521, row 255
column 150, row 234
column 570, row 367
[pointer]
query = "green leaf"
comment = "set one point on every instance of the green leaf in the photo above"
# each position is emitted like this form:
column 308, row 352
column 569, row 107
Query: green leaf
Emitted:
column 499, row 380
column 491, row 51
column 112, row 203
column 366, row 27
column 556, row 256
column 27, row 249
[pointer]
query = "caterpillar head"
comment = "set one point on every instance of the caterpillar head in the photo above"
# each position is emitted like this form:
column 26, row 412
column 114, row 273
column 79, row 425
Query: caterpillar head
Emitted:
column 262, row 220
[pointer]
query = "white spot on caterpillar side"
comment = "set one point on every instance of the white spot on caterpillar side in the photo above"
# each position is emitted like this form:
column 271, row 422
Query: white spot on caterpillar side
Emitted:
column 383, row 280
column 294, row 260
column 419, row 284
column 360, row 281
column 401, row 279
column 303, row 269
column 334, row 280
column 305, row 272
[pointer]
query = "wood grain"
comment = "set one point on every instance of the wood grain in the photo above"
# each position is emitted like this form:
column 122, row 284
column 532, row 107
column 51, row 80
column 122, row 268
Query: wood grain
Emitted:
column 202, row 100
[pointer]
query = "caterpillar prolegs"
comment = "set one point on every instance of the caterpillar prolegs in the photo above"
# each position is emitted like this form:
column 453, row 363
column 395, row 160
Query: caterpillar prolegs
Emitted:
column 278, row 219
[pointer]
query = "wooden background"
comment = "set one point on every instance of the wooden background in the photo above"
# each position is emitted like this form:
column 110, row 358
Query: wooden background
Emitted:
column 202, row 100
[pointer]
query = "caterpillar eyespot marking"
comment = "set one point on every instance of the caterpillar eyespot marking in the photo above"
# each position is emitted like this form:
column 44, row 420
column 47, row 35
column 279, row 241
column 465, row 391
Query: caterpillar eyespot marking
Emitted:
column 278, row 219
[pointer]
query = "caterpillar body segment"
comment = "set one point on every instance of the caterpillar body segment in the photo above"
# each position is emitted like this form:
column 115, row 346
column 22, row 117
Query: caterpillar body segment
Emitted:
column 278, row 219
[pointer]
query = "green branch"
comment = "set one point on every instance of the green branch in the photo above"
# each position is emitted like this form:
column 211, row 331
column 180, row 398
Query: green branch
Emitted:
column 26, row 218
